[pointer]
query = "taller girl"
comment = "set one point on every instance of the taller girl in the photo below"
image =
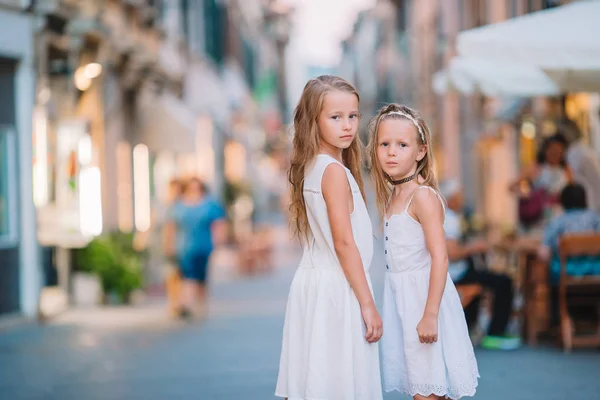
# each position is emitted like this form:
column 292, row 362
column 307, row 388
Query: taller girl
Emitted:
column 426, row 349
column 331, row 326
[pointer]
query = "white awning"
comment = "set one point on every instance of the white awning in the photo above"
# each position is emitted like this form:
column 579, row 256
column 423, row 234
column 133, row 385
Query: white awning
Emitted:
column 558, row 40
column 565, row 37
column 576, row 81
column 469, row 75
column 167, row 124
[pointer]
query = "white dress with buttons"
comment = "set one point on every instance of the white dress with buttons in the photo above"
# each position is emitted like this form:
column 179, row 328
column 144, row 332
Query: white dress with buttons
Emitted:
column 324, row 354
column 444, row 368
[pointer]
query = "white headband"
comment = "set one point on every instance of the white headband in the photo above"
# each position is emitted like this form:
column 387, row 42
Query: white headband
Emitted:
column 411, row 119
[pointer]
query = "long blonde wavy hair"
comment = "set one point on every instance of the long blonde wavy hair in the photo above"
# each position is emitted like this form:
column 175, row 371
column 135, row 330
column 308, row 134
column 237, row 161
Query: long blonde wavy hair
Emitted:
column 306, row 145
column 425, row 167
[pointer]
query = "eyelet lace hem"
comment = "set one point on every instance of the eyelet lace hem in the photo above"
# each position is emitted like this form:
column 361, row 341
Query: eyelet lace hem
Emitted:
column 455, row 392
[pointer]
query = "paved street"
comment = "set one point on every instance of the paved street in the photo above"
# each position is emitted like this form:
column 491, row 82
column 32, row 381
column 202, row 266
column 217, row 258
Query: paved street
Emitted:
column 140, row 354
column 140, row 115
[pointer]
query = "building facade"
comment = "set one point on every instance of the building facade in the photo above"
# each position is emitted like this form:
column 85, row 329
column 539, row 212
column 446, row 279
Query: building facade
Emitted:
column 104, row 101
column 395, row 51
column 19, row 262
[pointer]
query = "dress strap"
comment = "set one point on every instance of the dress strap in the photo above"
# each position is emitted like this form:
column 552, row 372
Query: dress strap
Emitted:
column 430, row 188
column 312, row 181
column 327, row 160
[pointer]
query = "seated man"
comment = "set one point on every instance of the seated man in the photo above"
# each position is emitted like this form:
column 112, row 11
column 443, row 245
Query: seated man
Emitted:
column 577, row 218
column 462, row 271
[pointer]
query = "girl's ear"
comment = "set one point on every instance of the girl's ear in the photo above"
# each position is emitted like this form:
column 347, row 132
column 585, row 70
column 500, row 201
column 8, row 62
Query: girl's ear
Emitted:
column 422, row 152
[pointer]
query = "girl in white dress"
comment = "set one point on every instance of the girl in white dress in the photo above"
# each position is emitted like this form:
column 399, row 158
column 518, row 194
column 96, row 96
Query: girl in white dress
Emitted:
column 331, row 328
column 426, row 350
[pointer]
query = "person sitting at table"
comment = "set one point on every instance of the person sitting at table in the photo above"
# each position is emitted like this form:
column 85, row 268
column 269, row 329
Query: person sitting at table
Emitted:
column 462, row 272
column 539, row 185
column 577, row 218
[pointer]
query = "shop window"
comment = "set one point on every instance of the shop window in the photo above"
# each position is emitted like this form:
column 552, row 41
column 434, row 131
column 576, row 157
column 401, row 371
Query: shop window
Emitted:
column 8, row 187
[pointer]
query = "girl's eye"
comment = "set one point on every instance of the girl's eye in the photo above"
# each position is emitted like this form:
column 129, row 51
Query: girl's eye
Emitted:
column 402, row 144
column 353, row 116
column 384, row 144
column 335, row 117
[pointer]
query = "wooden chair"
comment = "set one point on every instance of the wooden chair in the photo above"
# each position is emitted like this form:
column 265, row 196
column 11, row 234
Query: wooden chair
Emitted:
column 536, row 295
column 571, row 246
column 468, row 293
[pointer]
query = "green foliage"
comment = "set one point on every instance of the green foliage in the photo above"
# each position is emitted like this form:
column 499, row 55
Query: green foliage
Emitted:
column 113, row 259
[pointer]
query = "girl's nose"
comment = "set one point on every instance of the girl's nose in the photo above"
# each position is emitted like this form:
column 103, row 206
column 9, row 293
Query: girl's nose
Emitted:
column 346, row 125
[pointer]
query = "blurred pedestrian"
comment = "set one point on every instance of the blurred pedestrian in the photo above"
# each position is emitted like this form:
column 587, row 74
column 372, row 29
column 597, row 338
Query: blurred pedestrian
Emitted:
column 173, row 280
column 198, row 224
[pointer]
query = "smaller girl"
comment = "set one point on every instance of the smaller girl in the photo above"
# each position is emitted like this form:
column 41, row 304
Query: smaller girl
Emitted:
column 426, row 349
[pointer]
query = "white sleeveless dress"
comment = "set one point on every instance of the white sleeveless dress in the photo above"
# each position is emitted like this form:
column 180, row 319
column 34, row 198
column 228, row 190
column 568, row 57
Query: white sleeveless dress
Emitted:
column 324, row 354
column 444, row 368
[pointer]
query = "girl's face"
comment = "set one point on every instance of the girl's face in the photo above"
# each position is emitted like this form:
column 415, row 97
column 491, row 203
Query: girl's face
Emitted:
column 398, row 149
column 338, row 121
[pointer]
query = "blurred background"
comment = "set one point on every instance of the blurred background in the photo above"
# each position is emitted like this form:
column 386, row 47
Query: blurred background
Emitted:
column 105, row 102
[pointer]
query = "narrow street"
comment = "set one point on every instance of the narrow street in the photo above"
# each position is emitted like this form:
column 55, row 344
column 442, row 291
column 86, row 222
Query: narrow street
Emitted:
column 132, row 130
column 138, row 353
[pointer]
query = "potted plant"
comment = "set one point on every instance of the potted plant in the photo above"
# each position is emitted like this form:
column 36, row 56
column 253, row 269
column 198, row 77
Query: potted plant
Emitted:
column 112, row 258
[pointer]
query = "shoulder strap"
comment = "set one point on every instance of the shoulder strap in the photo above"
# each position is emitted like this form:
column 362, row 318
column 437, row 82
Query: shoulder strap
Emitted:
column 430, row 188
column 412, row 196
column 314, row 177
column 327, row 161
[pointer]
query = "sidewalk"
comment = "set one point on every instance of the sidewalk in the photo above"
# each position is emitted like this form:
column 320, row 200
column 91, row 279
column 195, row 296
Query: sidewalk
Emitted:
column 13, row 321
column 228, row 286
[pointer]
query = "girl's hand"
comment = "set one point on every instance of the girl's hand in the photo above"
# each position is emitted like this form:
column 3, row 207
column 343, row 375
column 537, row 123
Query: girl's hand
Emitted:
column 428, row 329
column 373, row 323
column 340, row 203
